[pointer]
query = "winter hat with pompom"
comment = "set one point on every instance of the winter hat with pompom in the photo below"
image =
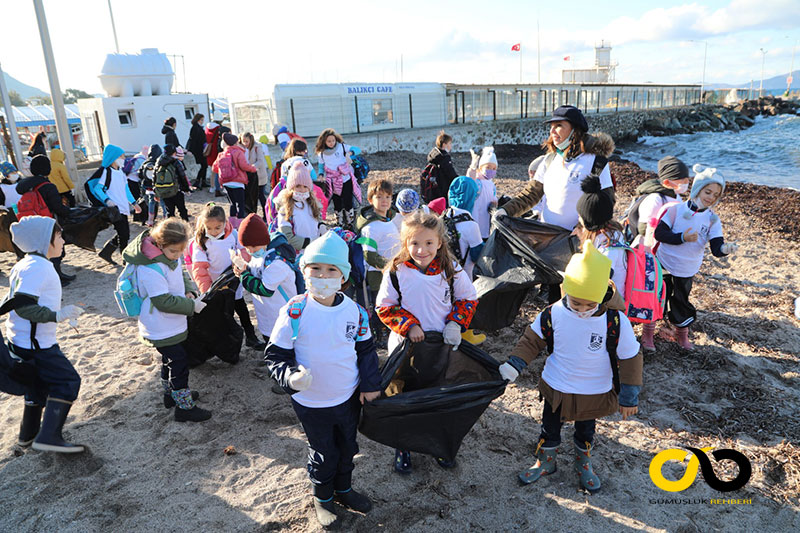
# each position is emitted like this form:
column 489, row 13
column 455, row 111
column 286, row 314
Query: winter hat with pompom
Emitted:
column 487, row 156
column 595, row 207
column 299, row 175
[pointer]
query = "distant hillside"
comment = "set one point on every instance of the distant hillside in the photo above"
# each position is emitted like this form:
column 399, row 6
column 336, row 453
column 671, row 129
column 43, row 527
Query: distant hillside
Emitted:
column 25, row 91
column 770, row 84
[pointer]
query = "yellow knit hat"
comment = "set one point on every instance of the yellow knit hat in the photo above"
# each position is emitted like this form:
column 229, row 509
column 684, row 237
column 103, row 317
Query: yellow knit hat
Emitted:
column 587, row 274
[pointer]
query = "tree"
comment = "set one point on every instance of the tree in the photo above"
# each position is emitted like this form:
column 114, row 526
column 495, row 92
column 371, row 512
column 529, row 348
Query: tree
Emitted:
column 16, row 99
column 71, row 96
column 40, row 100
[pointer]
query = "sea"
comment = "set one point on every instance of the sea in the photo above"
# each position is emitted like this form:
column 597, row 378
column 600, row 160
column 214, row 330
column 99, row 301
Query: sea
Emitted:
column 767, row 153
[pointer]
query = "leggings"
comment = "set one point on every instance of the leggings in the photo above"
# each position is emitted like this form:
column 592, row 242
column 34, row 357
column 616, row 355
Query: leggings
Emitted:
column 343, row 201
column 236, row 198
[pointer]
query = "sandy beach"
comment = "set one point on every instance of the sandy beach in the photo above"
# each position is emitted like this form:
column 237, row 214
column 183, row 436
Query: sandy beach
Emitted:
column 739, row 388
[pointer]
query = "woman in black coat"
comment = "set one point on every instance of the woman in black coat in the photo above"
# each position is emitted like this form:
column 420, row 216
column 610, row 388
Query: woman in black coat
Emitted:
column 197, row 141
column 170, row 137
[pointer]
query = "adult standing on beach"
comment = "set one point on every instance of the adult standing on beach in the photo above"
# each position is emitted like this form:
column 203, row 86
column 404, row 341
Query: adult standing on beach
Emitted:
column 170, row 137
column 196, row 145
column 572, row 154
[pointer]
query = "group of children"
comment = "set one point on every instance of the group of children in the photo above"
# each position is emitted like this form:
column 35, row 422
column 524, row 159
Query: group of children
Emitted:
column 320, row 345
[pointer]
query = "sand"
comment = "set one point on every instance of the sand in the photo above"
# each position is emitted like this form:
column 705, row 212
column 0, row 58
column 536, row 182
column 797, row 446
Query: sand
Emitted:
column 144, row 472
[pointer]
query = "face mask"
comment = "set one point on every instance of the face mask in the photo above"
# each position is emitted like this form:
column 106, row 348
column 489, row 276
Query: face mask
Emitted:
column 120, row 162
column 216, row 237
column 13, row 177
column 582, row 314
column 324, row 287
column 682, row 188
column 489, row 173
column 149, row 174
column 302, row 196
column 565, row 143
column 259, row 253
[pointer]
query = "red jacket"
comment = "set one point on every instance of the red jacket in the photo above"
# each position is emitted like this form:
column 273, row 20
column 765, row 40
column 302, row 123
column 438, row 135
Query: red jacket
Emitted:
column 239, row 160
column 212, row 138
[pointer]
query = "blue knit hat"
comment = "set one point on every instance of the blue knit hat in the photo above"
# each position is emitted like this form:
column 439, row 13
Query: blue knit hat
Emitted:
column 7, row 168
column 407, row 201
column 706, row 176
column 110, row 154
column 463, row 193
column 329, row 249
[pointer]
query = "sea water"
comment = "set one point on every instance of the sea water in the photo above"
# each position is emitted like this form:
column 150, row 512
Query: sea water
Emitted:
column 767, row 153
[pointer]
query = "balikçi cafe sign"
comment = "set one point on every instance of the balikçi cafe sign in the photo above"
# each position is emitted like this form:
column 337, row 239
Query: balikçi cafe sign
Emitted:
column 356, row 90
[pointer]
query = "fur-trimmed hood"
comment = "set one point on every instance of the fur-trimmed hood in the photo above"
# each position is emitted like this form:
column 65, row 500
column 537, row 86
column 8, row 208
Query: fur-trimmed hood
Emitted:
column 599, row 144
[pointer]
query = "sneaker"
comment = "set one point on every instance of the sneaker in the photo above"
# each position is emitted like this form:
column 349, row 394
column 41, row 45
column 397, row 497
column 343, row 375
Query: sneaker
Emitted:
column 195, row 414
column 402, row 462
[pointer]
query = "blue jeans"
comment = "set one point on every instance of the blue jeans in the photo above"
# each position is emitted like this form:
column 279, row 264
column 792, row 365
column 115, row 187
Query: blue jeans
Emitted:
column 175, row 366
column 55, row 375
column 215, row 180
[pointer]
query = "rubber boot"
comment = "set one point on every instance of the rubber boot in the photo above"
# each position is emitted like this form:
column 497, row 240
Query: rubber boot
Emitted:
column 31, row 421
column 185, row 409
column 108, row 251
column 682, row 338
column 151, row 218
column 49, row 438
column 402, row 462
column 64, row 277
column 353, row 500
column 323, row 506
column 350, row 219
column 473, row 338
column 339, row 218
column 545, row 464
column 444, row 463
column 169, row 401
column 648, row 331
column 588, row 480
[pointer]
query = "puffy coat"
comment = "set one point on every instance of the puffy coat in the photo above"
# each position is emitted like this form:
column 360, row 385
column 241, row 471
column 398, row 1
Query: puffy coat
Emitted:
column 58, row 172
column 240, row 162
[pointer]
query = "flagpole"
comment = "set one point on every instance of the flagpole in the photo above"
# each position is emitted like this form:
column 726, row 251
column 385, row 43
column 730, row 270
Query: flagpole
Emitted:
column 538, row 54
column 520, row 63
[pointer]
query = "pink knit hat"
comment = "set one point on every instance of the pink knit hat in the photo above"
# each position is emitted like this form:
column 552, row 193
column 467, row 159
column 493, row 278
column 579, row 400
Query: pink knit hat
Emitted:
column 299, row 175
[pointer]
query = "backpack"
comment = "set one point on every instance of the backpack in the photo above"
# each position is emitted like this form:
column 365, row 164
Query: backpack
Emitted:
column 360, row 167
column 298, row 303
column 630, row 220
column 227, row 167
column 428, row 184
column 127, row 166
column 645, row 290
column 165, row 181
column 659, row 218
column 279, row 249
column 396, row 285
column 93, row 179
column 32, row 203
column 612, row 338
column 126, row 292
column 453, row 236
column 275, row 177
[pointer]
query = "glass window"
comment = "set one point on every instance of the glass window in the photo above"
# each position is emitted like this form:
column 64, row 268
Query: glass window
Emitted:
column 188, row 112
column 126, row 119
column 375, row 111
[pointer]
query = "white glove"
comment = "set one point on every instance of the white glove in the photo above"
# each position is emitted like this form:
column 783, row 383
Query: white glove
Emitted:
column 498, row 213
column 508, row 372
column 452, row 334
column 109, row 203
column 475, row 159
column 238, row 262
column 199, row 305
column 300, row 380
column 729, row 248
column 68, row 312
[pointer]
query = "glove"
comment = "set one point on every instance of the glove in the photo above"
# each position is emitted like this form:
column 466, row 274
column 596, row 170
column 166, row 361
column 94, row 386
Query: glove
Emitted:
column 238, row 262
column 475, row 158
column 68, row 312
column 452, row 334
column 109, row 203
column 499, row 212
column 729, row 248
column 508, row 372
column 199, row 305
column 300, row 379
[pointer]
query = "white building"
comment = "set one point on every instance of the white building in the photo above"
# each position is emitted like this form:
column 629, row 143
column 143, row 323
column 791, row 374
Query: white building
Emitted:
column 603, row 71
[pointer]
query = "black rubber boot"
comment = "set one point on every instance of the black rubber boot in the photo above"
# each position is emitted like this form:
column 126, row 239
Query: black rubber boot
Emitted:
column 49, row 438
column 195, row 414
column 324, row 507
column 353, row 500
column 169, row 401
column 31, row 421
column 108, row 251
column 402, row 462
column 251, row 340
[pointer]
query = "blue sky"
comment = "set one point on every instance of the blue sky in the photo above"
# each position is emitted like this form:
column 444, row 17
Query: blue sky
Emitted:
column 241, row 48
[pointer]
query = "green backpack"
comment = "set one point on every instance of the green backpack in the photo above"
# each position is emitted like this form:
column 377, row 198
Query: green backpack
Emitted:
column 165, row 181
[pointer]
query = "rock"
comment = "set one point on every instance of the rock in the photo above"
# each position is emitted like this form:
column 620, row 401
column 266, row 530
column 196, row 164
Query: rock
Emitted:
column 745, row 121
column 675, row 124
column 733, row 126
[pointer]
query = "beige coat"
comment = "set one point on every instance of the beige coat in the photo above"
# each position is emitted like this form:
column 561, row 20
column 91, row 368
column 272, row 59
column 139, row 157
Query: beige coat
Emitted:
column 255, row 156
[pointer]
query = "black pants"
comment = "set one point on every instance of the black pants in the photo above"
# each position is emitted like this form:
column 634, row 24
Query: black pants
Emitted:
column 236, row 197
column 331, row 434
column 123, row 235
column 135, row 189
column 200, row 181
column 251, row 193
column 55, row 375
column 175, row 366
column 240, row 306
column 343, row 201
column 178, row 201
column 69, row 198
column 551, row 428
column 681, row 311
column 262, row 199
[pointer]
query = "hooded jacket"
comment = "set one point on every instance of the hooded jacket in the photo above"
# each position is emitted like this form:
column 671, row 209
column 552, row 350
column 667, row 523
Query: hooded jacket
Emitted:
column 446, row 172
column 165, row 160
column 197, row 140
column 214, row 132
column 239, row 161
column 598, row 144
column 58, row 171
column 170, row 137
column 463, row 193
column 48, row 192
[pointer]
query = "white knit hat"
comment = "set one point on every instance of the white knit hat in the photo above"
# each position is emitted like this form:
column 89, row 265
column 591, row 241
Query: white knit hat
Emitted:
column 487, row 156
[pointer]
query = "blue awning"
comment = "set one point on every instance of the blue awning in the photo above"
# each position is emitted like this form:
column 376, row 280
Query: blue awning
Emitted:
column 41, row 115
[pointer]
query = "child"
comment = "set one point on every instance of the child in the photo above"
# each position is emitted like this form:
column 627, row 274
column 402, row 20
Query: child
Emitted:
column 672, row 182
column 31, row 332
column 264, row 275
column 380, row 240
column 468, row 245
column 435, row 294
column 232, row 167
column 683, row 231
column 116, row 195
column 321, row 353
column 484, row 169
column 297, row 150
column 170, row 166
column 439, row 156
column 407, row 202
column 580, row 376
column 131, row 170
column 60, row 177
column 298, row 210
column 335, row 164
column 214, row 242
column 8, row 185
column 168, row 300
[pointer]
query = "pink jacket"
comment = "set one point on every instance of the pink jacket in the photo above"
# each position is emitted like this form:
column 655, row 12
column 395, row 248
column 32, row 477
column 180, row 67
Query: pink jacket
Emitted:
column 239, row 160
column 335, row 179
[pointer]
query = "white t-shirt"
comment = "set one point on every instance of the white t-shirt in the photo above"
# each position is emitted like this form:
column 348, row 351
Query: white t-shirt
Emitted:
column 684, row 260
column 118, row 191
column 217, row 255
column 650, row 206
column 562, row 188
column 487, row 194
column 34, row 275
column 425, row 297
column 303, row 223
column 334, row 158
column 383, row 237
column 619, row 260
column 326, row 346
column 469, row 236
column 579, row 363
column 274, row 275
column 11, row 194
column 153, row 324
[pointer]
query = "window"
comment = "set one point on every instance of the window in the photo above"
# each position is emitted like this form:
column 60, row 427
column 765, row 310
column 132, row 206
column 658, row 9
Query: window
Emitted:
column 126, row 118
column 188, row 112
column 375, row 111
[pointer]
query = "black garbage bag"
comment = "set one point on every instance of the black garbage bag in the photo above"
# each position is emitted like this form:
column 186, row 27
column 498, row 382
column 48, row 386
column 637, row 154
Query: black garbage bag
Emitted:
column 214, row 331
column 432, row 396
column 83, row 223
column 519, row 256
column 8, row 217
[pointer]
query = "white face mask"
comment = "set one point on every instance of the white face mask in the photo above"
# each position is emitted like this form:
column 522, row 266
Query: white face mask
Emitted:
column 13, row 177
column 324, row 287
column 302, row 196
column 682, row 188
column 582, row 314
column 120, row 162
column 216, row 237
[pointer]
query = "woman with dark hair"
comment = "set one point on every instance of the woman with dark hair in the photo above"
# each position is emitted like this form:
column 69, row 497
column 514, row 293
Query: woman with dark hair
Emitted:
column 196, row 144
column 37, row 146
column 170, row 137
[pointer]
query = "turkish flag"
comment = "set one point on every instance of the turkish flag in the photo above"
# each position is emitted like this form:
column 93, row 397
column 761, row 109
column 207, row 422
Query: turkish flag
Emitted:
column 566, row 58
column 516, row 47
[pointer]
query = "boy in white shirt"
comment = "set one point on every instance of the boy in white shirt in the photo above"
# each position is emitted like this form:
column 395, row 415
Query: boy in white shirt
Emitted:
column 407, row 202
column 35, row 297
column 321, row 352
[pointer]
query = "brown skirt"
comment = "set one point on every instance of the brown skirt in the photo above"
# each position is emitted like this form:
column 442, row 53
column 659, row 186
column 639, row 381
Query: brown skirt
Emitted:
column 579, row 406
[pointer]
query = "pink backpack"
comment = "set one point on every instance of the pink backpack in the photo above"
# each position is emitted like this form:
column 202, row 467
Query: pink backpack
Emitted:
column 227, row 167
column 645, row 290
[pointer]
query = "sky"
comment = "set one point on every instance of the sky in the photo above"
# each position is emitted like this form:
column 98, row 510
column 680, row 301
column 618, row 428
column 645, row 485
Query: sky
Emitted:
column 237, row 48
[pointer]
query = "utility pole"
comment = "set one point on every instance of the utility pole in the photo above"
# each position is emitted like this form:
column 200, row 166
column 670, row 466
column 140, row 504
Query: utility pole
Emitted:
column 761, row 86
column 12, row 123
column 113, row 26
column 62, row 127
